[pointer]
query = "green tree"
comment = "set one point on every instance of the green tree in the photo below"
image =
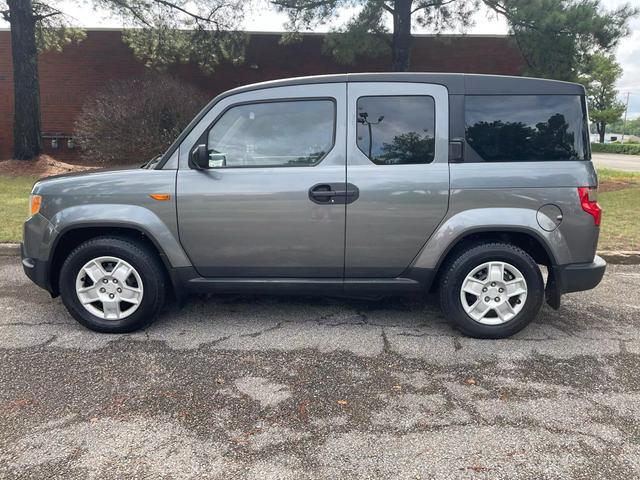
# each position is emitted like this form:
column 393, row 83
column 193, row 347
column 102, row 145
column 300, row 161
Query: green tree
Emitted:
column 632, row 127
column 557, row 37
column 366, row 33
column 204, row 32
column 406, row 148
column 599, row 77
column 35, row 26
column 553, row 35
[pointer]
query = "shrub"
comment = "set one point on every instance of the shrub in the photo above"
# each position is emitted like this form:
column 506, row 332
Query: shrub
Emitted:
column 627, row 148
column 136, row 119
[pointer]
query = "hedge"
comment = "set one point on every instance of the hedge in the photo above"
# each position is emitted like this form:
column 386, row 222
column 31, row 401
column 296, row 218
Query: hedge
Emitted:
column 626, row 148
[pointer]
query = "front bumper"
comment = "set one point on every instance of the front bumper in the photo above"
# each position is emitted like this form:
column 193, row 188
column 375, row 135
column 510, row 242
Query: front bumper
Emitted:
column 574, row 277
column 36, row 270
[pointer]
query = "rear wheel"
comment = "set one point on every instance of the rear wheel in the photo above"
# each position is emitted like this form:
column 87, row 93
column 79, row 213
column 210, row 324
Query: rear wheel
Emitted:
column 112, row 285
column 492, row 290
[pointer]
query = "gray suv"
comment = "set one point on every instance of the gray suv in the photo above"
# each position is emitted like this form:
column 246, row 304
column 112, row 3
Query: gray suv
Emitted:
column 358, row 184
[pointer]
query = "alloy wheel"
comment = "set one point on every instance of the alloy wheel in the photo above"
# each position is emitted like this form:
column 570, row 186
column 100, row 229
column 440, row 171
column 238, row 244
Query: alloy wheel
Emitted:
column 109, row 288
column 493, row 293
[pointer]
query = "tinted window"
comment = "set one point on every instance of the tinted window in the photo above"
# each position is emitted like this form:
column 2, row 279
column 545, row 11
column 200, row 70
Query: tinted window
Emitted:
column 287, row 133
column 396, row 130
column 522, row 128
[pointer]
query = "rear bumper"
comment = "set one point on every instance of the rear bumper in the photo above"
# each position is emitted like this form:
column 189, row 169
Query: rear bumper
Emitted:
column 579, row 276
column 36, row 270
column 574, row 277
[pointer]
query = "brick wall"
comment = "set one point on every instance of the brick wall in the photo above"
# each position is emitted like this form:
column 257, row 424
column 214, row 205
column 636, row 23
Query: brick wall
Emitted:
column 68, row 77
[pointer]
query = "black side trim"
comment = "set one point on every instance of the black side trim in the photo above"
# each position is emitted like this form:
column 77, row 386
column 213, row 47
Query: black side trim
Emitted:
column 191, row 282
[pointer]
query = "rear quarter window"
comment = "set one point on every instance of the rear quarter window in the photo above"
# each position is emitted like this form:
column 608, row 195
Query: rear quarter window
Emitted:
column 525, row 128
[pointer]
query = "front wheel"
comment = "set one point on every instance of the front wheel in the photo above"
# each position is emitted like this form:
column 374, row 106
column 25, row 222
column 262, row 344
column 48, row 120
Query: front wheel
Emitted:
column 112, row 285
column 492, row 290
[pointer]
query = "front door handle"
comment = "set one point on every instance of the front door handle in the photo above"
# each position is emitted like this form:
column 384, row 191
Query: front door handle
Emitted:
column 333, row 193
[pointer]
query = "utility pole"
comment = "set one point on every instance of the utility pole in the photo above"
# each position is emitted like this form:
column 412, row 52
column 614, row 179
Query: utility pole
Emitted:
column 624, row 122
column 364, row 119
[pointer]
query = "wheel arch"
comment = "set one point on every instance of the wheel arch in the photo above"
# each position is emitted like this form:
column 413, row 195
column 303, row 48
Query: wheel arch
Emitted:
column 74, row 235
column 527, row 239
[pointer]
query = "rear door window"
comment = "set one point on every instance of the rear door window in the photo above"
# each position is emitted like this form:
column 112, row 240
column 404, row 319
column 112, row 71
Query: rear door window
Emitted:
column 396, row 130
column 525, row 128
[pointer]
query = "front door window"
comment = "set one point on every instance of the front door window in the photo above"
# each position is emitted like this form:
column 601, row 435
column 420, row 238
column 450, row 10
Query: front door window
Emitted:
column 273, row 134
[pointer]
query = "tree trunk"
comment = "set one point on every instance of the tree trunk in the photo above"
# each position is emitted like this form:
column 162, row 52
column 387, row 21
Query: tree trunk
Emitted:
column 402, row 39
column 600, row 126
column 26, row 92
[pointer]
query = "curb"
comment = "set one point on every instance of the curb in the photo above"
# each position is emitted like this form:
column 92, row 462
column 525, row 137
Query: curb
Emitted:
column 9, row 249
column 620, row 257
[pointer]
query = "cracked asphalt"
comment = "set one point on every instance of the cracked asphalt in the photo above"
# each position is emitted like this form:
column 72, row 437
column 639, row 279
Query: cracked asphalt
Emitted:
column 265, row 387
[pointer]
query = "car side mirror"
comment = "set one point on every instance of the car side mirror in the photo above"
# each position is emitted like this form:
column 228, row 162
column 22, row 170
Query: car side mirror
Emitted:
column 199, row 158
column 217, row 160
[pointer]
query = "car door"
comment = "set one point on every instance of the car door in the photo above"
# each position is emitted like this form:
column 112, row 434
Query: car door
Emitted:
column 270, row 205
column 397, row 156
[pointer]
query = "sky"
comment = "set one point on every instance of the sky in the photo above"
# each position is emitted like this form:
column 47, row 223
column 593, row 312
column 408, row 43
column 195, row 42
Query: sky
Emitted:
column 265, row 18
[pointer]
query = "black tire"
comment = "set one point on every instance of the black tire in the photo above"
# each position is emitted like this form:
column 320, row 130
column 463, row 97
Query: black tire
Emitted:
column 455, row 272
column 146, row 263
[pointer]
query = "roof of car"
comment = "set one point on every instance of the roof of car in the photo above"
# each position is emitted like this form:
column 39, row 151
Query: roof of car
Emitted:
column 456, row 83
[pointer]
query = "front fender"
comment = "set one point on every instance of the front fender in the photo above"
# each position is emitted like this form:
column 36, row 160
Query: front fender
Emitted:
column 125, row 216
column 493, row 219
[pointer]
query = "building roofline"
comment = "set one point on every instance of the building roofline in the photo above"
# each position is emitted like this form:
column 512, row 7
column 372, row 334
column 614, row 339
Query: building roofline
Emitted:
column 310, row 34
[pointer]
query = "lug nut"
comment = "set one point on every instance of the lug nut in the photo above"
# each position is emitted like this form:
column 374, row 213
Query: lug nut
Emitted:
column 484, row 289
column 111, row 295
column 493, row 284
column 501, row 290
column 115, row 281
column 119, row 290
column 497, row 299
column 104, row 280
column 487, row 299
column 102, row 290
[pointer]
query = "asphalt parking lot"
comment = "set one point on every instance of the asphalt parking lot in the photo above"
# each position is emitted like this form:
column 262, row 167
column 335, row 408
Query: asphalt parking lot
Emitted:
column 264, row 387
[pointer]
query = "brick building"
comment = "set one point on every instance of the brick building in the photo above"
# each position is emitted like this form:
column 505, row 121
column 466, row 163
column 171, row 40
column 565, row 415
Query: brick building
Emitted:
column 68, row 77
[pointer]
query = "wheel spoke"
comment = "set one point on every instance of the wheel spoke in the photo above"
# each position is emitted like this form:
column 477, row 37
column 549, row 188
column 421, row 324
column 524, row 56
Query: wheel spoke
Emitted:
column 478, row 310
column 111, row 310
column 473, row 286
column 130, row 294
column 516, row 287
column 496, row 272
column 504, row 311
column 121, row 271
column 95, row 271
column 88, row 295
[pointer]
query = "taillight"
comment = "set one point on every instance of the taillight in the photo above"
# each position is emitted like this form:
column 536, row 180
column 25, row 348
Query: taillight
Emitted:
column 589, row 202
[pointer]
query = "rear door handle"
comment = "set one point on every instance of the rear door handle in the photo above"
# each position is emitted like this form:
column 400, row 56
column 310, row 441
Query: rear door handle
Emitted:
column 320, row 194
column 333, row 193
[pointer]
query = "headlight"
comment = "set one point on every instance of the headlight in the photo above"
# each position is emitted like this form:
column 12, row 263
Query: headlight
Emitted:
column 34, row 204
